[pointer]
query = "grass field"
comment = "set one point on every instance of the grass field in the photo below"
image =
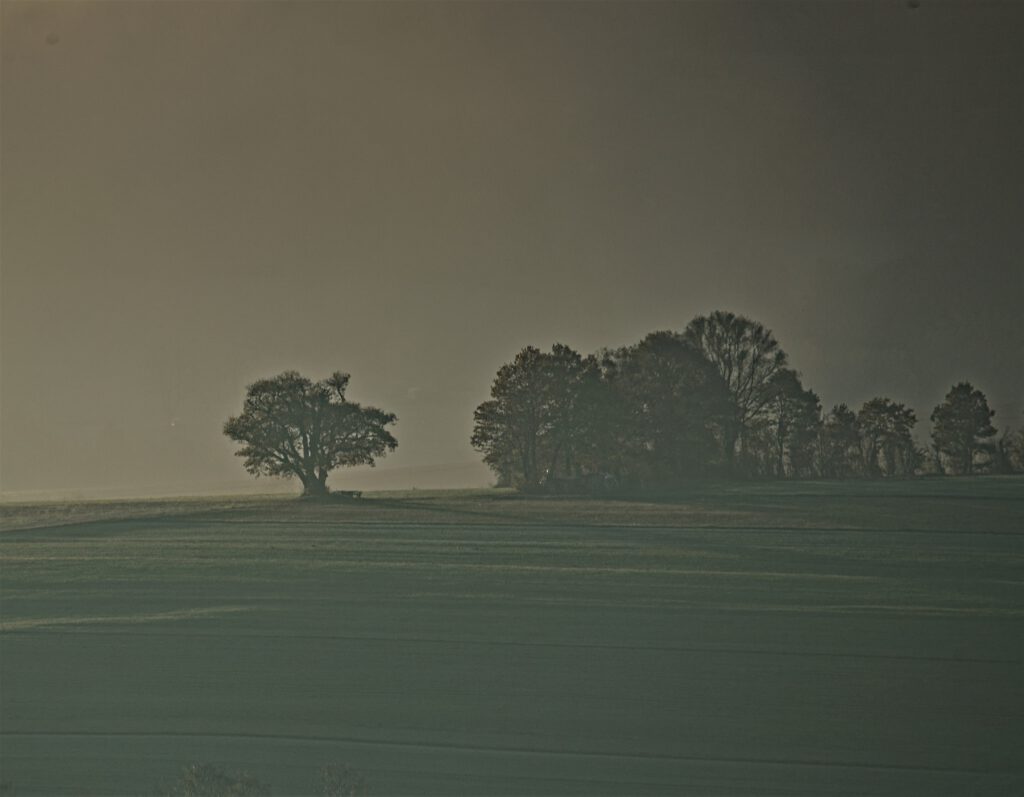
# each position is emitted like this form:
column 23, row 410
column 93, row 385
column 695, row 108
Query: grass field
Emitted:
column 855, row 638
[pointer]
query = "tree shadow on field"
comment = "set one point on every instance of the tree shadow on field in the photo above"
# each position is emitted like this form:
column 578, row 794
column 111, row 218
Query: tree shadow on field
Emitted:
column 406, row 504
column 538, row 510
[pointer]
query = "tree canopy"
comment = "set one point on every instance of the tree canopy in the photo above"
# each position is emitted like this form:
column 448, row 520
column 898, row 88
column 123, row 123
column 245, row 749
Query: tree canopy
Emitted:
column 962, row 426
column 292, row 426
column 888, row 446
column 538, row 415
column 841, row 456
column 717, row 399
column 672, row 407
column 748, row 358
column 788, row 427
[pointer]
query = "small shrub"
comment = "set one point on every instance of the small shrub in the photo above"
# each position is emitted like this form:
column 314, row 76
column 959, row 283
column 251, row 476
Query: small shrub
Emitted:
column 206, row 780
column 342, row 781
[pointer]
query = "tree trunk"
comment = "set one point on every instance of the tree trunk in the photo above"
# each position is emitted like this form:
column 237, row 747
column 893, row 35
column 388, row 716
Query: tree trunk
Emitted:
column 781, row 463
column 730, row 435
column 313, row 487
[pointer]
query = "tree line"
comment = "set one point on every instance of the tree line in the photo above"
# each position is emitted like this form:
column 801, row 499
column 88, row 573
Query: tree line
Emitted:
column 716, row 400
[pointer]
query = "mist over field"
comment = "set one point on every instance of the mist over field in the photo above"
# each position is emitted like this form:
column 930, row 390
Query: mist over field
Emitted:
column 198, row 195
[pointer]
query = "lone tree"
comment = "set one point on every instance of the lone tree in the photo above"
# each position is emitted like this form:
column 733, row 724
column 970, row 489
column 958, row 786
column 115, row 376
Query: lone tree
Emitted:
column 962, row 425
column 292, row 426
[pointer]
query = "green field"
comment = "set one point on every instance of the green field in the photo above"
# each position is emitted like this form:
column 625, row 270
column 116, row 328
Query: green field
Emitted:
column 854, row 638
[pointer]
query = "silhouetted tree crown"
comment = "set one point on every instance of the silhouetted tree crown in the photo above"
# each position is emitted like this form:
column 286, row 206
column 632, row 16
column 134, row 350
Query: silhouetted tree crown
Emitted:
column 539, row 416
column 841, row 455
column 748, row 358
column 672, row 407
column 888, row 445
column 787, row 428
column 961, row 427
column 292, row 426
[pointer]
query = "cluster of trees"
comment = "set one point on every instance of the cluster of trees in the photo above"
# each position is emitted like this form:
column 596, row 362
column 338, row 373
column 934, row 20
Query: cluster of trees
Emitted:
column 718, row 399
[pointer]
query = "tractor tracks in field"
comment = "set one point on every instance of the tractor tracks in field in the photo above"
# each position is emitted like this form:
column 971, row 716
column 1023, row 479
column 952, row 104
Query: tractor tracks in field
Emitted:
column 591, row 646
column 115, row 526
column 438, row 746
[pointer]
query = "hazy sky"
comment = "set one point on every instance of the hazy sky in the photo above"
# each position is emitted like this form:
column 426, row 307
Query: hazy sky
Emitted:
column 197, row 194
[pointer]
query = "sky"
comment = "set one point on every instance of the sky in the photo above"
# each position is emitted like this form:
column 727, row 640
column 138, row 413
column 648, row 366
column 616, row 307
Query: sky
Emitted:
column 194, row 195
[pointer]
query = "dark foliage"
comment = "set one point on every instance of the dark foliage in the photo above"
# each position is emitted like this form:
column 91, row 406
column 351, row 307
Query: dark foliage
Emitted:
column 540, row 419
column 887, row 444
column 962, row 427
column 789, row 429
column 716, row 399
column 672, row 409
column 749, row 359
column 292, row 426
column 841, row 455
